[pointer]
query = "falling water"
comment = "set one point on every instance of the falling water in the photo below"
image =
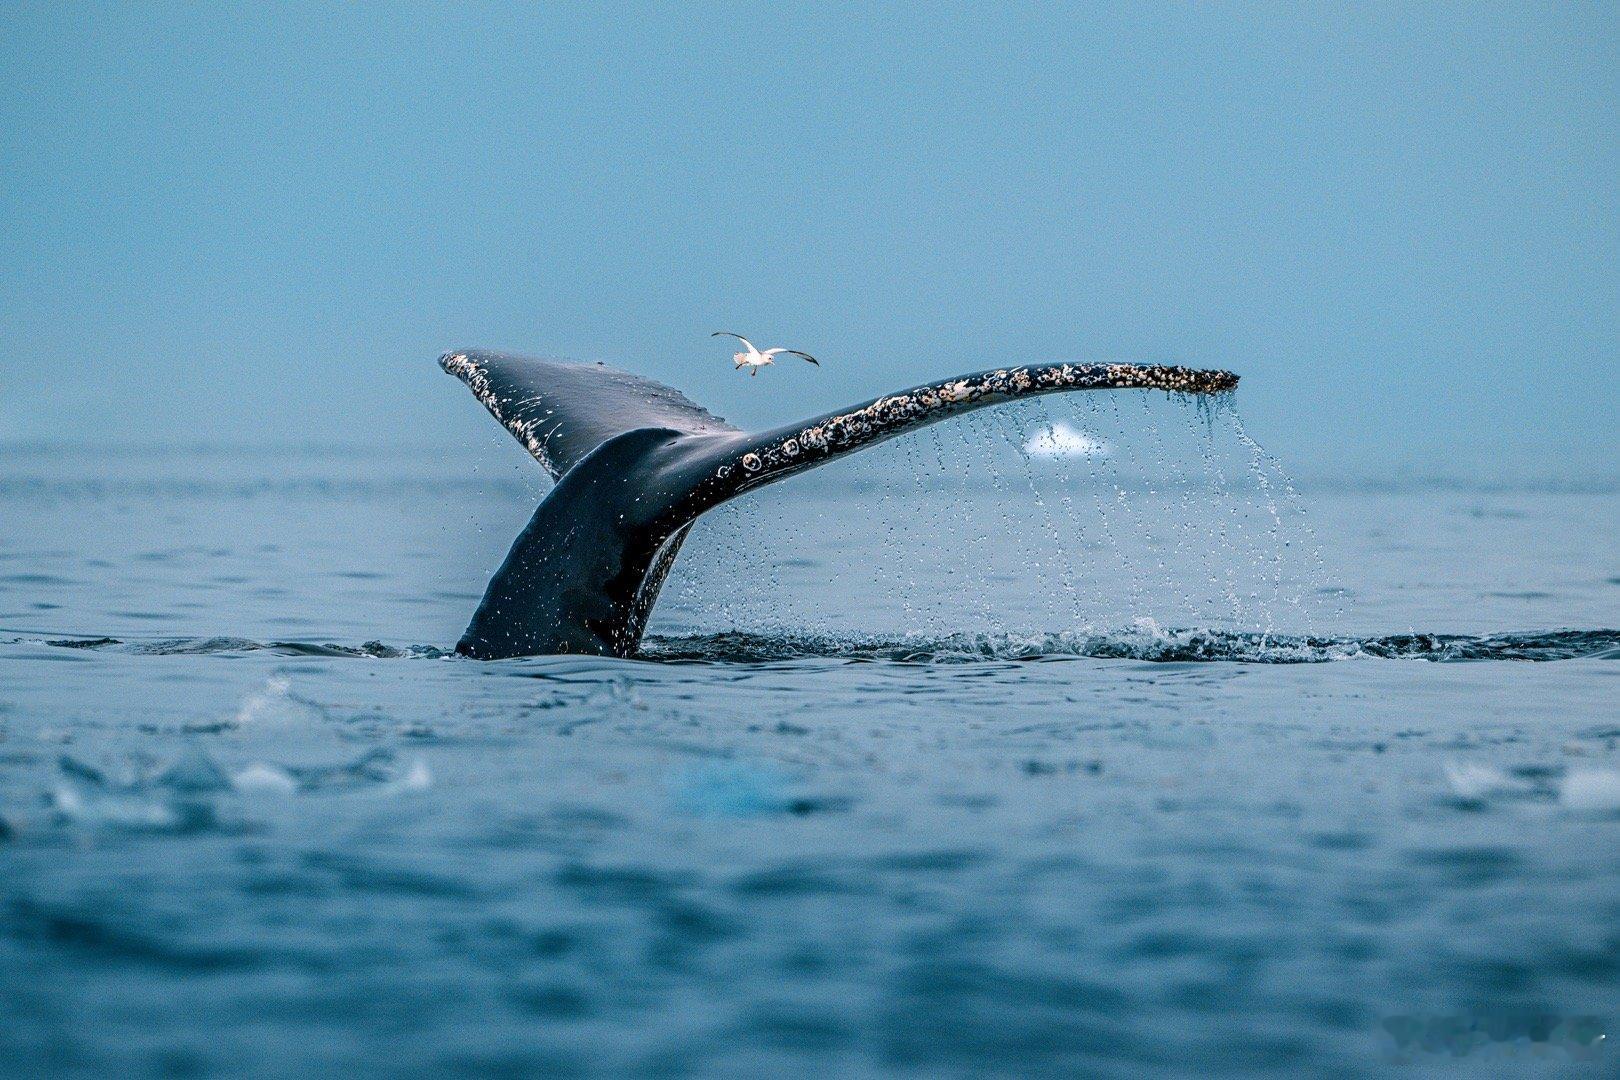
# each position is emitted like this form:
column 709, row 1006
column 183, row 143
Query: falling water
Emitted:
column 1075, row 547
column 955, row 561
column 1117, row 552
column 1262, row 462
column 983, row 552
column 1106, row 406
column 1016, row 436
column 1144, row 522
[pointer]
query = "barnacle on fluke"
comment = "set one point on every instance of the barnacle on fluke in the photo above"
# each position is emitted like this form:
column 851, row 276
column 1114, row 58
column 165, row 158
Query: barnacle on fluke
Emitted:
column 636, row 463
column 883, row 416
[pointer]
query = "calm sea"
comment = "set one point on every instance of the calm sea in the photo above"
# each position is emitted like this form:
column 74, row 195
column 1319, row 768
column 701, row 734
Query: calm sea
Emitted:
column 1062, row 742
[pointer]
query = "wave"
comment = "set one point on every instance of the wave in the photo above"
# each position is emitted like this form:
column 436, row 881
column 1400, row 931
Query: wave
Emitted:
column 211, row 646
column 1147, row 643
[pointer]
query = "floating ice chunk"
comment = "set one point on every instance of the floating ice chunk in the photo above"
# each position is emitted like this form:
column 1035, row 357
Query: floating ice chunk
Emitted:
column 1063, row 439
column 1592, row 789
column 261, row 779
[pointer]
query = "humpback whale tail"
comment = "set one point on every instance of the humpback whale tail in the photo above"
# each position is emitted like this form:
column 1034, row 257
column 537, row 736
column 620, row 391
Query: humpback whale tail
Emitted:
column 636, row 462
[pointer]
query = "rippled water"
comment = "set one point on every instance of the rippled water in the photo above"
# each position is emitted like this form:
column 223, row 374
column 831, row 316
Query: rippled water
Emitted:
column 948, row 762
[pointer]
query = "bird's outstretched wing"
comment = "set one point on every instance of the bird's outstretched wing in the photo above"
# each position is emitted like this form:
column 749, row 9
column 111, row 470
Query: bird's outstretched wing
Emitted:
column 560, row 411
column 792, row 352
column 739, row 337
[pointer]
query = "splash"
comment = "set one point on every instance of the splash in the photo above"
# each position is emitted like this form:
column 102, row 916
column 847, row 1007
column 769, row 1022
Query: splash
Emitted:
column 1146, row 641
column 1065, row 514
column 270, row 702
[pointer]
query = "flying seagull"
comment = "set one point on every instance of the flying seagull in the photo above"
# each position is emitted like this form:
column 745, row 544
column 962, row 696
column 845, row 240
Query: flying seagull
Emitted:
column 754, row 359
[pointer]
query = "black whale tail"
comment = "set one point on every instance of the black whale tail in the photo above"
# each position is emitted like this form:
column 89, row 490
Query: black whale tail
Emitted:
column 636, row 463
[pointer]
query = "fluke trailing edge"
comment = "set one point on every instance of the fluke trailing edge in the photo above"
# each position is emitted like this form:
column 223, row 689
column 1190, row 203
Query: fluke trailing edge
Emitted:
column 636, row 462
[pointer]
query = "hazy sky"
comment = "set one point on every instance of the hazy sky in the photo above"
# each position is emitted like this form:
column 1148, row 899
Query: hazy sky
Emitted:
column 1397, row 222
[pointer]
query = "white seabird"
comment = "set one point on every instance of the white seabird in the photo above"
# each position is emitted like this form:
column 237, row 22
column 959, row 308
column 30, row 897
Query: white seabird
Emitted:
column 754, row 359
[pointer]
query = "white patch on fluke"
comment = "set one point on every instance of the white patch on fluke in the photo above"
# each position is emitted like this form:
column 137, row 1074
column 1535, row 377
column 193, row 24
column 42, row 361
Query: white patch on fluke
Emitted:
column 1062, row 440
column 462, row 367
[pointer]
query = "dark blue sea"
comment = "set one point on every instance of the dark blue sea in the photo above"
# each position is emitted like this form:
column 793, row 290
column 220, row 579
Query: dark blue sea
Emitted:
column 1056, row 742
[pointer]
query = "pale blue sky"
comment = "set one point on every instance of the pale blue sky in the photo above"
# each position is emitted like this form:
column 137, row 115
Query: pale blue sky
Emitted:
column 1398, row 222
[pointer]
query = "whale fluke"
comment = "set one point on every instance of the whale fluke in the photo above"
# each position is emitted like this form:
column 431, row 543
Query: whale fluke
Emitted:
column 636, row 462
column 561, row 410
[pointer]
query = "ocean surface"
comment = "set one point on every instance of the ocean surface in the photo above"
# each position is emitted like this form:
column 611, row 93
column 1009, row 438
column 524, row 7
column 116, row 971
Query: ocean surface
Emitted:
column 1064, row 741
